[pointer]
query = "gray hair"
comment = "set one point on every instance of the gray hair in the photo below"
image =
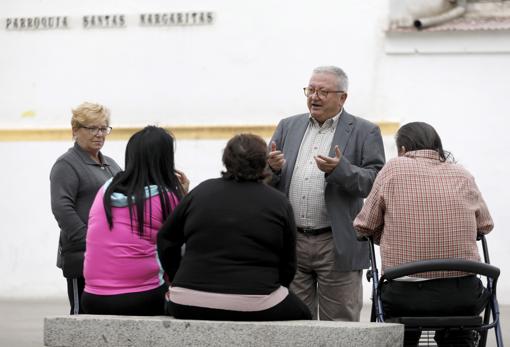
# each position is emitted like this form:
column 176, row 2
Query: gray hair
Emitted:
column 341, row 76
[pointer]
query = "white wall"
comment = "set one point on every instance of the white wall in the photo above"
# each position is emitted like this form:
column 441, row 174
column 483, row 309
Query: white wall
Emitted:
column 247, row 68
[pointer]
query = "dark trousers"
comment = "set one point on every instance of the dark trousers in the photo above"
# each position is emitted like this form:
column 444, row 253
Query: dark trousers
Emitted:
column 75, row 288
column 291, row 308
column 459, row 296
column 147, row 303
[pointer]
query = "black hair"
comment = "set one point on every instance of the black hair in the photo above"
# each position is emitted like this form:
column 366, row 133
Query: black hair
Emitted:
column 149, row 161
column 420, row 135
column 245, row 158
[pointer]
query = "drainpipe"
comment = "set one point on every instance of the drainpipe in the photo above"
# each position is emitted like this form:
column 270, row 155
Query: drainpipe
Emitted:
column 455, row 12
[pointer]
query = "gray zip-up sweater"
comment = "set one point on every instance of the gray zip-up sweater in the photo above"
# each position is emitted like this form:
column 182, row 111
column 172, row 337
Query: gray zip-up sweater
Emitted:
column 75, row 179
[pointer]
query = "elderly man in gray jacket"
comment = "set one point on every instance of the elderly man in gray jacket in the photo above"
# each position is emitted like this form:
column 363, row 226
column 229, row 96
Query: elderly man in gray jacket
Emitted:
column 326, row 162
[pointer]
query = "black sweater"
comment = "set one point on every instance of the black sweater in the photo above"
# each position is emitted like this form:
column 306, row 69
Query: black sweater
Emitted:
column 240, row 239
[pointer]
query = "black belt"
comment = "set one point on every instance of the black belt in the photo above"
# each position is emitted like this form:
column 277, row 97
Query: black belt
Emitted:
column 314, row 231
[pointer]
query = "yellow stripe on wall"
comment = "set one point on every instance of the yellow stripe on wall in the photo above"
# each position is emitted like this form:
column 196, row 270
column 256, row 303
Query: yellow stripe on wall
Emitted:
column 194, row 132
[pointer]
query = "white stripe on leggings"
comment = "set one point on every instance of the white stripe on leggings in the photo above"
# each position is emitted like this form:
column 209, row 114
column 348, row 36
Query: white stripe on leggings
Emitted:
column 76, row 298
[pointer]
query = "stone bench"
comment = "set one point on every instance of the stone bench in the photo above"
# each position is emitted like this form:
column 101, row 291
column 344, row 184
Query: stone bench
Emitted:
column 125, row 331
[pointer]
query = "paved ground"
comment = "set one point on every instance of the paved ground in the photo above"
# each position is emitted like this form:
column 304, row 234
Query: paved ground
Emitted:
column 21, row 321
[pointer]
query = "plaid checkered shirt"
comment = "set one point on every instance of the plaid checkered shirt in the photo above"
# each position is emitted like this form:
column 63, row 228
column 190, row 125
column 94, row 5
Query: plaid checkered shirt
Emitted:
column 421, row 208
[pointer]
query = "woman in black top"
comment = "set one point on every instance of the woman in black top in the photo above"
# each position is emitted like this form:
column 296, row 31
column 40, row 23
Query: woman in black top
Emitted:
column 239, row 237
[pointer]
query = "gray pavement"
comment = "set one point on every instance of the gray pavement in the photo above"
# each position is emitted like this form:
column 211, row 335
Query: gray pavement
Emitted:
column 21, row 321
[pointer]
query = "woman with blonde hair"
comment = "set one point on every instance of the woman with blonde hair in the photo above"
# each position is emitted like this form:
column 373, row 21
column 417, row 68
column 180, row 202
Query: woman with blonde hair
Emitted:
column 74, row 180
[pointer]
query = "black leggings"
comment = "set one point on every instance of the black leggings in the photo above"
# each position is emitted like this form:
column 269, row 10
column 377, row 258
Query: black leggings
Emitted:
column 148, row 303
column 74, row 292
column 291, row 308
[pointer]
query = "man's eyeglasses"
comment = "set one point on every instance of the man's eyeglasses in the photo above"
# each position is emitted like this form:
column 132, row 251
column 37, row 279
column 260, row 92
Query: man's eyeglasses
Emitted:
column 96, row 130
column 321, row 93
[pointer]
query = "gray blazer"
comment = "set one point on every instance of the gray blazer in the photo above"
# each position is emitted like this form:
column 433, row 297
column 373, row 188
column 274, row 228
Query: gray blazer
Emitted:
column 362, row 157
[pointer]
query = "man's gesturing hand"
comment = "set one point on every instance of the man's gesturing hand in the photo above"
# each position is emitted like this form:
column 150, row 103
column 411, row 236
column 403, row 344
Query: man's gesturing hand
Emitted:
column 275, row 158
column 328, row 164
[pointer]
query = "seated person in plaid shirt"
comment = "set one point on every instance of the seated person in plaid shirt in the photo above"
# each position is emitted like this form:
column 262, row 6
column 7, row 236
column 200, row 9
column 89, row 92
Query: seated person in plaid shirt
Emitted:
column 424, row 206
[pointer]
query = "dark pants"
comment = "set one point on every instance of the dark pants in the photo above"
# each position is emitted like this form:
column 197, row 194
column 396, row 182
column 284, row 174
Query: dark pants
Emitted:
column 147, row 303
column 291, row 308
column 74, row 292
column 459, row 296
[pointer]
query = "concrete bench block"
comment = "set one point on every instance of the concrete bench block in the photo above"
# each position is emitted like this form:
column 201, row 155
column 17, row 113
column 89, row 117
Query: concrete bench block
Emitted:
column 125, row 331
